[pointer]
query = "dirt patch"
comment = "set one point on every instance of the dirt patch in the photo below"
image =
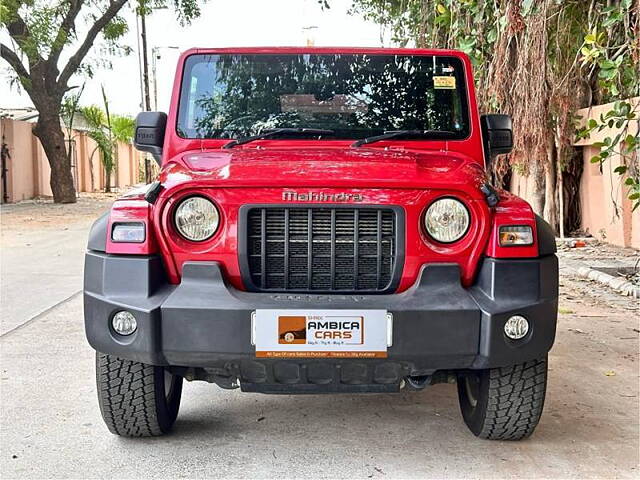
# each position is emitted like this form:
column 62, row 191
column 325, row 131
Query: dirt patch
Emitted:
column 44, row 214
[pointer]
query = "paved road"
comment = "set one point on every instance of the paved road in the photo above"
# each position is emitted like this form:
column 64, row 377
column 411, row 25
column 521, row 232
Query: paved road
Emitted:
column 51, row 426
column 41, row 256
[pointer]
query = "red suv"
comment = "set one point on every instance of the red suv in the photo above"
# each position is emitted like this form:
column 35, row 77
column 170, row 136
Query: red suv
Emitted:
column 322, row 223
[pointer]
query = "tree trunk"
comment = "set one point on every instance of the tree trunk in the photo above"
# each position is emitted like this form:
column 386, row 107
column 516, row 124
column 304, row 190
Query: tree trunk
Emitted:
column 107, row 181
column 559, row 182
column 551, row 202
column 49, row 131
column 537, row 196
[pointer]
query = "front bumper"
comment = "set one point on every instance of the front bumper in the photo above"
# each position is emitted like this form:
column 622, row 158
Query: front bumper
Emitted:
column 205, row 323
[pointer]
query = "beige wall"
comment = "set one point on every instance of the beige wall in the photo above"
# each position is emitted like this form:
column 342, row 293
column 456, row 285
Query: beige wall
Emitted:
column 28, row 169
column 606, row 210
column 20, row 175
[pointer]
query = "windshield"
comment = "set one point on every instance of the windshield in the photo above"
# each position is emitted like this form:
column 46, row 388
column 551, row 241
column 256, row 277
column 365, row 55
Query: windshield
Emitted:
column 355, row 96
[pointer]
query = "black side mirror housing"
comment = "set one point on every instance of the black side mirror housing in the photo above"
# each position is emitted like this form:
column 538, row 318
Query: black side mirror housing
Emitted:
column 150, row 128
column 497, row 134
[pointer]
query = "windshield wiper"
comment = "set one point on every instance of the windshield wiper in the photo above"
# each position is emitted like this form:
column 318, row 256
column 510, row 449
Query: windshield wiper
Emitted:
column 279, row 131
column 404, row 134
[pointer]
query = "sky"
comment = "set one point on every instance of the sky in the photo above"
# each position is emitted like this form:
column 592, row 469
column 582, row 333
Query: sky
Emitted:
column 223, row 23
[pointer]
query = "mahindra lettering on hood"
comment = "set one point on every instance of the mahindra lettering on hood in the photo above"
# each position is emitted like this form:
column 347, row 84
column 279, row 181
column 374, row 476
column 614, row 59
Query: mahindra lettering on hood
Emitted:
column 322, row 223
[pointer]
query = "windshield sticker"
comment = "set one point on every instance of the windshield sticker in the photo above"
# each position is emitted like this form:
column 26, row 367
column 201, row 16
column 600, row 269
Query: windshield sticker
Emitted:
column 444, row 83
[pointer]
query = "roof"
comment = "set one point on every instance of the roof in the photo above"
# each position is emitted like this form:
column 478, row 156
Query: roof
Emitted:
column 328, row 50
column 30, row 115
column 25, row 114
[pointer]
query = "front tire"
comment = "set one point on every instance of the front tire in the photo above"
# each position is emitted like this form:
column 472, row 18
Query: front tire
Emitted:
column 136, row 399
column 503, row 403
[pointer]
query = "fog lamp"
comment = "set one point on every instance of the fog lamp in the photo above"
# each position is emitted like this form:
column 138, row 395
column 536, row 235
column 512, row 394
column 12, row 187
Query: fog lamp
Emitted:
column 124, row 323
column 129, row 232
column 516, row 327
column 513, row 235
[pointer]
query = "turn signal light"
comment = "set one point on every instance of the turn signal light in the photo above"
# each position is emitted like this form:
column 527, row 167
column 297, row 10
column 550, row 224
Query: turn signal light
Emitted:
column 128, row 232
column 515, row 235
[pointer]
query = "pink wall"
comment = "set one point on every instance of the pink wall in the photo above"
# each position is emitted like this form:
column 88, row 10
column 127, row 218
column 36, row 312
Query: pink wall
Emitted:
column 606, row 210
column 28, row 169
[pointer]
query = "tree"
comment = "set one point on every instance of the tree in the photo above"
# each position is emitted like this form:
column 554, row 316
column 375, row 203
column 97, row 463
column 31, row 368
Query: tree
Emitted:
column 43, row 32
column 538, row 60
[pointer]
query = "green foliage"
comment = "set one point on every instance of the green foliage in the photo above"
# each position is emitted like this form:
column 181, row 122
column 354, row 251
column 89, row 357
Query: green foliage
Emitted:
column 611, row 48
column 43, row 29
column 186, row 10
column 622, row 118
column 123, row 128
column 115, row 29
column 96, row 119
column 107, row 130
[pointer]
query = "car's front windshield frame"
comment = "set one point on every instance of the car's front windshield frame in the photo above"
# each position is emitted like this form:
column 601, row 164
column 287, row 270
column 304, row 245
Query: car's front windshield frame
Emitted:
column 456, row 78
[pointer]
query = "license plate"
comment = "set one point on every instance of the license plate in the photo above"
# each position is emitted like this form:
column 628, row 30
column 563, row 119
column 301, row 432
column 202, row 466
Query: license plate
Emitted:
column 321, row 333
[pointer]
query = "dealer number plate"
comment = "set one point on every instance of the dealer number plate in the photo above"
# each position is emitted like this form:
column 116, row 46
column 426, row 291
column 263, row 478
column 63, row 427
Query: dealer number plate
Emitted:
column 321, row 333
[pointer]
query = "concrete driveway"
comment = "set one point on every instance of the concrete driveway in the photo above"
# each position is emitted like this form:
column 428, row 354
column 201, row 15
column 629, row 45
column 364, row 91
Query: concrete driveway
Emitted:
column 51, row 425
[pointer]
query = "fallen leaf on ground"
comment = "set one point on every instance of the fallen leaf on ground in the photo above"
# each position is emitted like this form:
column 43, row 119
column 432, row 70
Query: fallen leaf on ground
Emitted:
column 576, row 330
column 610, row 373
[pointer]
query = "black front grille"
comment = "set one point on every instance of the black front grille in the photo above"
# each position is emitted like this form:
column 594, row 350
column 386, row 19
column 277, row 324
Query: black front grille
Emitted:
column 320, row 248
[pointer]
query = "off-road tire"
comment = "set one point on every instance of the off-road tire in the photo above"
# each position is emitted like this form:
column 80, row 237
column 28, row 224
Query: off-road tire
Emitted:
column 504, row 403
column 133, row 399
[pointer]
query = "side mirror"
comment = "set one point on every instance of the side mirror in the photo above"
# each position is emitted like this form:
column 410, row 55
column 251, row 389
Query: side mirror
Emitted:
column 150, row 127
column 497, row 134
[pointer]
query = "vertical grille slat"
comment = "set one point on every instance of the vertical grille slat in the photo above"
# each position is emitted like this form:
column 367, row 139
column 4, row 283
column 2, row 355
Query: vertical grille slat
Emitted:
column 379, row 250
column 332, row 272
column 356, row 252
column 309, row 247
column 263, row 249
column 321, row 248
column 286, row 249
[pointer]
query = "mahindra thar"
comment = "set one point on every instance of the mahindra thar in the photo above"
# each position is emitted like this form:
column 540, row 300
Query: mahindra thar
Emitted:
column 322, row 223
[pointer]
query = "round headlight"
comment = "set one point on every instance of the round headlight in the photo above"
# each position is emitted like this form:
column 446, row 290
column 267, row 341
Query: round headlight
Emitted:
column 446, row 220
column 197, row 219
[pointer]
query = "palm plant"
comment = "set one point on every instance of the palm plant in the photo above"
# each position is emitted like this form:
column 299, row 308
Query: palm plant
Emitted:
column 98, row 132
column 106, row 131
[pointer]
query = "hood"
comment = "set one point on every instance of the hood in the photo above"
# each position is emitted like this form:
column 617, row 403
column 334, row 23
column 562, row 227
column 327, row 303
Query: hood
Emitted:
column 339, row 167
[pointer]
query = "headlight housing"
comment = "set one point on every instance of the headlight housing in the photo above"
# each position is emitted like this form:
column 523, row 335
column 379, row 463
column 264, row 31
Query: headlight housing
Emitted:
column 446, row 220
column 196, row 219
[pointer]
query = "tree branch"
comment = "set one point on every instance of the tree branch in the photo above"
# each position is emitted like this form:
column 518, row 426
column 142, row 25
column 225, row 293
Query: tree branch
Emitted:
column 74, row 62
column 19, row 31
column 66, row 27
column 14, row 61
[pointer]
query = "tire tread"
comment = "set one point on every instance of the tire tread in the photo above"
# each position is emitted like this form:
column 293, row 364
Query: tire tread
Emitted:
column 126, row 393
column 516, row 400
